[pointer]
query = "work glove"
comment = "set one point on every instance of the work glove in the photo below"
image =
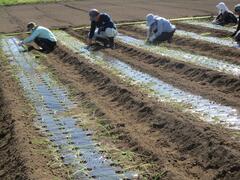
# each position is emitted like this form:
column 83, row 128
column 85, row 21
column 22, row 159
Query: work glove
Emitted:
column 152, row 38
column 90, row 42
column 21, row 43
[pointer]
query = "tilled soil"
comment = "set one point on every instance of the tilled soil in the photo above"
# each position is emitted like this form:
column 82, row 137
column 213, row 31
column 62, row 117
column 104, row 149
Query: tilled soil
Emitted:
column 213, row 85
column 182, row 145
column 75, row 13
column 178, row 145
column 193, row 46
column 24, row 151
column 197, row 29
column 12, row 165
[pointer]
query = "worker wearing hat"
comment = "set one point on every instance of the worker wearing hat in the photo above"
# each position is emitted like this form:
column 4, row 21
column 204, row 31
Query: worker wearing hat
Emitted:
column 42, row 36
column 159, row 29
column 102, row 28
column 236, row 34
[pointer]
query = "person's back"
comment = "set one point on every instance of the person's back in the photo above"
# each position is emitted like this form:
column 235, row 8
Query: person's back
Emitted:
column 164, row 24
column 41, row 32
column 105, row 21
column 45, row 33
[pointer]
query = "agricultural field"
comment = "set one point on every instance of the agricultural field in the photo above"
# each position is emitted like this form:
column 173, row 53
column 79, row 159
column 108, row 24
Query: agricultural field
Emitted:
column 15, row 2
column 140, row 111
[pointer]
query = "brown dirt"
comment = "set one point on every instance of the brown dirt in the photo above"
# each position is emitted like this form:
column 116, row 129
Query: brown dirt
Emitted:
column 200, row 29
column 74, row 13
column 24, row 152
column 194, row 46
column 211, row 84
column 184, row 146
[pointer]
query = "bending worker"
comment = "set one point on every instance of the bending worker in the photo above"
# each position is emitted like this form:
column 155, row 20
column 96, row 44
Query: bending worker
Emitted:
column 159, row 29
column 42, row 36
column 102, row 29
column 236, row 34
column 225, row 16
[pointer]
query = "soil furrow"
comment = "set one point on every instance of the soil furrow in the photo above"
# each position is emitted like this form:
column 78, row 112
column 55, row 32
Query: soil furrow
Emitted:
column 217, row 86
column 197, row 80
column 202, row 30
column 205, row 37
column 208, row 24
column 24, row 151
column 162, row 91
column 175, row 129
column 192, row 45
column 75, row 145
column 12, row 164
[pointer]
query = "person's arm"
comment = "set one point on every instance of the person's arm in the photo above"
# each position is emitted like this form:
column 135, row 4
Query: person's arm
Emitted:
column 156, row 30
column 32, row 37
column 217, row 19
column 160, row 29
column 238, row 28
column 92, row 30
column 149, row 32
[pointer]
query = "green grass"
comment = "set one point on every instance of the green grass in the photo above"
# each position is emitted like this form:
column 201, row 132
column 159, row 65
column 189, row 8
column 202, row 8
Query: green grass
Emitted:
column 14, row 2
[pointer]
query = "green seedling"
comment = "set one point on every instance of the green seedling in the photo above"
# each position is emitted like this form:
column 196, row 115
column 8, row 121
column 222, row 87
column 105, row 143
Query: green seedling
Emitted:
column 216, row 119
column 159, row 176
column 205, row 34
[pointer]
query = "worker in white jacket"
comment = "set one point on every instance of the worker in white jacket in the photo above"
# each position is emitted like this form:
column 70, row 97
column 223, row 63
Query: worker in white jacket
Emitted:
column 159, row 29
column 42, row 36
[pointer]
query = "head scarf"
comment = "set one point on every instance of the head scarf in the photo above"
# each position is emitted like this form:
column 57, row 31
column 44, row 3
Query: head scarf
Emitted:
column 222, row 7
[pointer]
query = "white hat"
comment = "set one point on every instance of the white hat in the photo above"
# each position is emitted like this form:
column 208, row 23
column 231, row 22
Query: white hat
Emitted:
column 150, row 19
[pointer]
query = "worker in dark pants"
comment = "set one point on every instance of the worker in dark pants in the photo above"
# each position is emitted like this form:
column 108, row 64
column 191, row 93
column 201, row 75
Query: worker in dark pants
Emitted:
column 159, row 29
column 42, row 36
column 236, row 34
column 225, row 16
column 102, row 29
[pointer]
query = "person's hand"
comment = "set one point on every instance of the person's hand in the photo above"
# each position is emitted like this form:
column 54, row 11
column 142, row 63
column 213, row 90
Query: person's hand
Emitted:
column 215, row 22
column 90, row 42
column 21, row 43
column 233, row 35
column 147, row 41
column 151, row 39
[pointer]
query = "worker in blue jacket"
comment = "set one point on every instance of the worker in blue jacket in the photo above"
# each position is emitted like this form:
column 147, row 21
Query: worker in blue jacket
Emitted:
column 159, row 29
column 102, row 28
column 42, row 36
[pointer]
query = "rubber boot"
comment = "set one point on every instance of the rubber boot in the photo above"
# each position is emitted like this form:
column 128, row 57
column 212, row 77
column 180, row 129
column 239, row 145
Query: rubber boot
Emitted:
column 111, row 43
column 103, row 41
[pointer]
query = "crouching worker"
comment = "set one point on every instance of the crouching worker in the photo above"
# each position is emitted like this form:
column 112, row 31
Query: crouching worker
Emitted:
column 225, row 16
column 236, row 34
column 102, row 29
column 42, row 36
column 159, row 29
